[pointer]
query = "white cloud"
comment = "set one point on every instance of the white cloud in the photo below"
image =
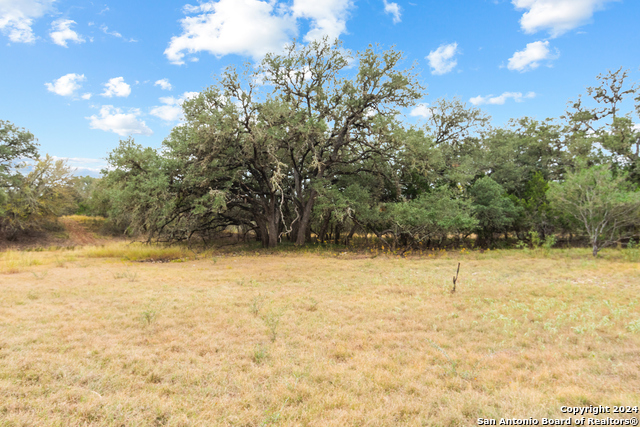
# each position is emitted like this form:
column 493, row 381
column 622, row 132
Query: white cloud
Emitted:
column 83, row 166
column 421, row 110
column 105, row 30
column 66, row 85
column 61, row 32
column 254, row 27
column 16, row 18
column 114, row 120
column 246, row 27
column 79, row 159
column 329, row 17
column 86, row 96
column 392, row 9
column 556, row 16
column 172, row 110
column 529, row 58
column 164, row 84
column 501, row 99
column 116, row 87
column 441, row 59
column 168, row 113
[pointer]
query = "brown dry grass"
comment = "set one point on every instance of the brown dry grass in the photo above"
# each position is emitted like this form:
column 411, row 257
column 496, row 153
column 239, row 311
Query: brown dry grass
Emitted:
column 314, row 339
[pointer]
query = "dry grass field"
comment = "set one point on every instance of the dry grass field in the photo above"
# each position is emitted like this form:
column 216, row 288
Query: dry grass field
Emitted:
column 91, row 337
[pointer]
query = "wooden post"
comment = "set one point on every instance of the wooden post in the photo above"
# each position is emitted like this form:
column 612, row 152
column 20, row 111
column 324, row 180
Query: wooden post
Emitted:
column 455, row 279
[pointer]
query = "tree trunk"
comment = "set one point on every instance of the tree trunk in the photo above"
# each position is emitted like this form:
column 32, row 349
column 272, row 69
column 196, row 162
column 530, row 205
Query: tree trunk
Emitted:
column 338, row 229
column 308, row 234
column 273, row 232
column 350, row 236
column 263, row 233
column 306, row 219
column 325, row 226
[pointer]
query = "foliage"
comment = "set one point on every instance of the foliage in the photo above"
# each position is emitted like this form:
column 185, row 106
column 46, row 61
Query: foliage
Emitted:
column 16, row 145
column 604, row 123
column 494, row 210
column 536, row 215
column 455, row 132
column 37, row 198
column 90, row 196
column 525, row 150
column 433, row 215
column 603, row 202
column 310, row 145
column 303, row 145
column 138, row 188
column 261, row 160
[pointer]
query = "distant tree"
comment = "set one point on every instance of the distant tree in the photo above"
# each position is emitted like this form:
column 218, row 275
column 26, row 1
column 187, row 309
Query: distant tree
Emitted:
column 37, row 198
column 89, row 197
column 337, row 125
column 29, row 201
column 140, row 196
column 98, row 200
column 305, row 143
column 513, row 155
column 603, row 202
column 434, row 215
column 16, row 146
column 535, row 214
column 454, row 154
column 493, row 209
column 82, row 186
column 606, row 124
column 260, row 148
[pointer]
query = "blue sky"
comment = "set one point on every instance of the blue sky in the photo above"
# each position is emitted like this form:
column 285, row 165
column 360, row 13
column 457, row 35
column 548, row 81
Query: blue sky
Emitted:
column 82, row 75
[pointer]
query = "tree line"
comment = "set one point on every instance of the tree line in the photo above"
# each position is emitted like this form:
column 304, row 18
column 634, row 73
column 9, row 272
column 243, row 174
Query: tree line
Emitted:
column 34, row 190
column 310, row 145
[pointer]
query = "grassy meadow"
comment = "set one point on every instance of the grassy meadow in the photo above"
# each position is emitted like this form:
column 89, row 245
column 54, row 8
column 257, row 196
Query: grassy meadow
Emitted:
column 92, row 337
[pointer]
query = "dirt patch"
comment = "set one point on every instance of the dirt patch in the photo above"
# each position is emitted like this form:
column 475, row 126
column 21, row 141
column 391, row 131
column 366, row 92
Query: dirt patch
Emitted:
column 34, row 239
column 71, row 233
column 78, row 234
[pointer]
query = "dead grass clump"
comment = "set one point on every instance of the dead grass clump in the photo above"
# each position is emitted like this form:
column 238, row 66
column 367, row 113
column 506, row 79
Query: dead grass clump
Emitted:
column 12, row 262
column 136, row 252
